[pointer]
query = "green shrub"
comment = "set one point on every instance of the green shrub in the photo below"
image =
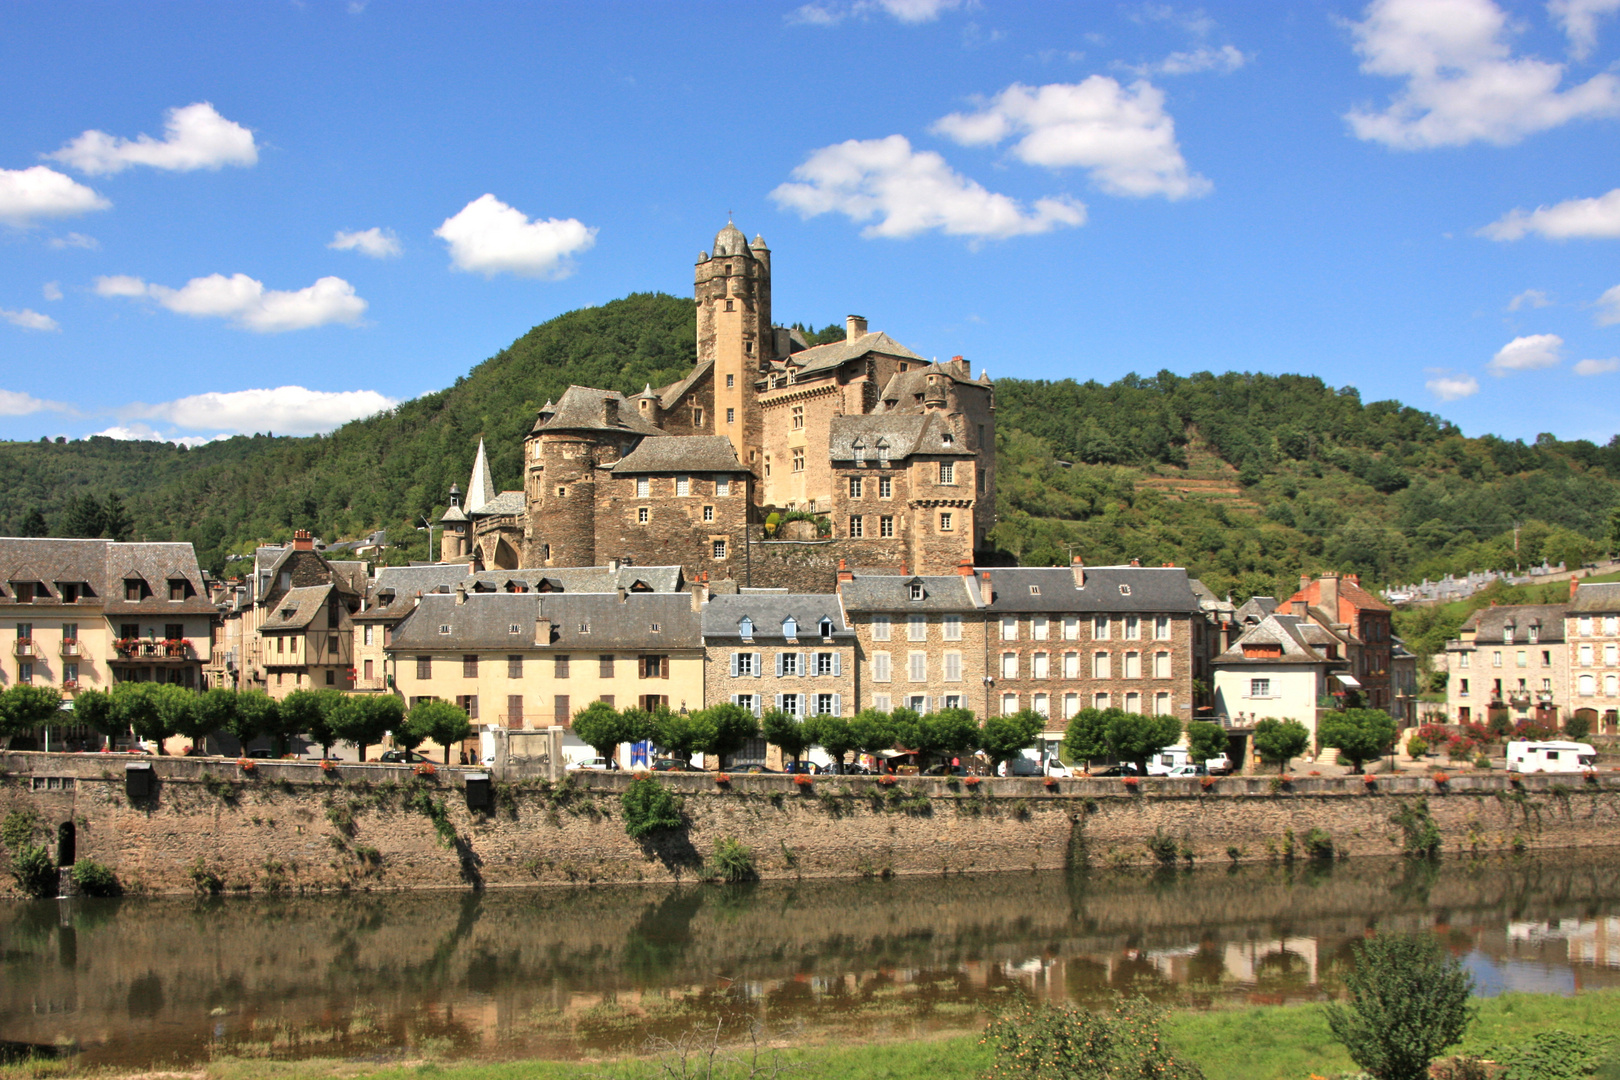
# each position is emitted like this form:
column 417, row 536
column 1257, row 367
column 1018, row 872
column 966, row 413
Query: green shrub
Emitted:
column 205, row 880
column 1059, row 1042
column 1408, row 1002
column 1420, row 835
column 1577, row 726
column 1319, row 844
column 1416, row 747
column 1164, row 848
column 96, row 879
column 18, row 828
column 1483, row 761
column 649, row 807
column 732, row 861
column 34, row 871
column 1550, row 1055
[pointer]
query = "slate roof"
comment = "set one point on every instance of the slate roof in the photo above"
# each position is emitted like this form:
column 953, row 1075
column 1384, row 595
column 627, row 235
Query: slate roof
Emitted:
column 722, row 615
column 580, row 409
column 1488, row 623
column 507, row 502
column 484, row 622
column 1106, row 589
column 1302, row 642
column 681, row 453
column 1256, row 608
column 904, row 386
column 406, row 581
column 906, row 434
column 103, row 565
column 892, row 593
column 298, row 608
column 831, row 355
column 1602, row 597
column 669, row 395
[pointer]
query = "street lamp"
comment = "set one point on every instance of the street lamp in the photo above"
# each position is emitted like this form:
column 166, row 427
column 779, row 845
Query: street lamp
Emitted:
column 427, row 527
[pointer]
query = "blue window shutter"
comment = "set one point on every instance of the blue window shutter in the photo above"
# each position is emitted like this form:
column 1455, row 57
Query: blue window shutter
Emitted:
column 734, row 666
column 778, row 665
column 838, row 663
column 838, row 705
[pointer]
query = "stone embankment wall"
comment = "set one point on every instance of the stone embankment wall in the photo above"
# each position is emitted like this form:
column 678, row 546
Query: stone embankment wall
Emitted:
column 292, row 826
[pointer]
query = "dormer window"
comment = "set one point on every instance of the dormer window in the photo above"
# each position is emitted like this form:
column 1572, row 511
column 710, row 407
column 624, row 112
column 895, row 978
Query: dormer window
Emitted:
column 134, row 587
column 947, row 439
column 177, row 589
column 1507, row 634
column 745, row 627
column 1534, row 634
column 826, row 627
column 1124, row 590
column 883, row 454
column 790, row 627
column 915, row 590
column 22, row 592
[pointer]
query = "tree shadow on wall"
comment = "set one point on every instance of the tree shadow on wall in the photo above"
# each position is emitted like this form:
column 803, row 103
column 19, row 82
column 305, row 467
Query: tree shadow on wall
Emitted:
column 674, row 850
column 472, row 863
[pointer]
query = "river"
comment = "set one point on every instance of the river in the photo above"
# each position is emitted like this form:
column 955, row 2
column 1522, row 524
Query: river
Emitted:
column 563, row 973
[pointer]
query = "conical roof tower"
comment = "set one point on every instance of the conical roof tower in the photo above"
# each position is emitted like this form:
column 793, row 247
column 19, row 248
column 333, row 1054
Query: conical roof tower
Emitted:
column 480, row 489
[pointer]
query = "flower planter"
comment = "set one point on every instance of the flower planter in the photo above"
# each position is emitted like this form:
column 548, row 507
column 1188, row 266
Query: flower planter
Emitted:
column 247, row 764
column 425, row 768
column 722, row 779
column 971, row 781
column 1440, row 779
column 886, row 780
column 803, row 782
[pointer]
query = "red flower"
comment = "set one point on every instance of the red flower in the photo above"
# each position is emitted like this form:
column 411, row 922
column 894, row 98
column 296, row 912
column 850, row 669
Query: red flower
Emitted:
column 1207, row 782
column 1440, row 778
column 425, row 768
column 722, row 778
column 803, row 780
column 887, row 780
column 971, row 781
column 1369, row 779
column 1130, row 782
column 247, row 764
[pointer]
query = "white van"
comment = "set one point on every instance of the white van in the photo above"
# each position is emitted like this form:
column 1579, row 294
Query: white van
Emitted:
column 1550, row 757
column 1172, row 758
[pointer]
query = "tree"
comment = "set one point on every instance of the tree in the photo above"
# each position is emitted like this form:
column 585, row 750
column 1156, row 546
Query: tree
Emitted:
column 1359, row 734
column 95, row 708
column 785, row 731
column 1003, row 737
column 1135, row 737
column 1205, row 741
column 906, row 727
column 177, row 711
column 257, row 713
column 135, row 704
column 838, row 736
column 951, row 732
column 215, row 711
column 640, row 725
column 85, row 518
column 870, row 732
column 303, row 712
column 1408, row 1002
column 1280, row 741
column 1087, row 737
column 116, row 522
column 444, row 723
column 34, row 524
column 364, row 719
column 730, row 726
column 601, row 727
column 682, row 734
column 25, row 707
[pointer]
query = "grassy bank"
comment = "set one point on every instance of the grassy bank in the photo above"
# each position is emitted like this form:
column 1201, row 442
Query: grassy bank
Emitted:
column 1284, row 1042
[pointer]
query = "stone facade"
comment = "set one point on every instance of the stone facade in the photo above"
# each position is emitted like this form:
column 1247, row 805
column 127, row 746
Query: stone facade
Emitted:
column 1511, row 660
column 1592, row 630
column 769, row 650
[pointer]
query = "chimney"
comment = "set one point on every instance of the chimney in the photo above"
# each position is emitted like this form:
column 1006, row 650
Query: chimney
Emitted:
column 1078, row 566
column 1330, row 596
column 1301, row 608
column 610, row 411
column 844, row 571
column 854, row 327
column 542, row 632
column 965, row 567
column 613, row 565
column 700, row 595
column 1136, row 562
column 1304, row 582
column 984, row 586
column 461, row 593
column 903, row 571
column 302, row 541
column 1574, row 583
column 624, row 594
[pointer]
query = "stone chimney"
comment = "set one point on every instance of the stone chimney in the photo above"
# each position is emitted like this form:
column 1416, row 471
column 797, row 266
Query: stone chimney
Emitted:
column 302, row 541
column 854, row 327
column 984, row 586
column 542, row 632
column 613, row 565
column 1330, row 596
column 844, row 573
column 461, row 593
column 610, row 411
column 1574, row 583
column 1078, row 566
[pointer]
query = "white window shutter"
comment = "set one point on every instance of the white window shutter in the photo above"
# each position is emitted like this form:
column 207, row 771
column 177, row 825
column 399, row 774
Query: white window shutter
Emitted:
column 734, row 699
column 778, row 702
column 759, row 669
column 779, row 672
column 838, row 704
column 734, row 667
column 759, row 704
column 838, row 663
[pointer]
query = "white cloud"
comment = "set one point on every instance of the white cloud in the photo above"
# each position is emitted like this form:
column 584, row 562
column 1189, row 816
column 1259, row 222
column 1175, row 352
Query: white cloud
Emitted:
column 247, row 302
column 1589, row 219
column 1579, row 18
column 26, row 195
column 1608, row 306
column 1529, row 353
column 146, row 433
column 29, row 319
column 377, row 243
column 912, row 191
column 16, row 403
column 1530, row 298
column 75, row 240
column 1597, row 367
column 195, row 137
column 291, row 410
column 1121, row 135
column 1227, row 58
column 911, row 12
column 52, row 290
column 1463, row 83
column 1452, row 387
column 488, row 237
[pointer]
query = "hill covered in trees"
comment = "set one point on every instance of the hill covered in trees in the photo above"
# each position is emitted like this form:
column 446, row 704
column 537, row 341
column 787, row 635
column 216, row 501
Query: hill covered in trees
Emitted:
column 1246, row 479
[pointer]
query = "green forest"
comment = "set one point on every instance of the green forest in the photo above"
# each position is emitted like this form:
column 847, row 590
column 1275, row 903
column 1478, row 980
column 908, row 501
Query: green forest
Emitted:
column 1247, row 479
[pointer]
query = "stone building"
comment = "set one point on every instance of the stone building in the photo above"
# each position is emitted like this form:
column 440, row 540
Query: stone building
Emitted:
column 303, row 601
column 1362, row 622
column 775, row 650
column 1592, row 630
column 1511, row 660
column 921, row 639
column 891, row 457
column 1282, row 667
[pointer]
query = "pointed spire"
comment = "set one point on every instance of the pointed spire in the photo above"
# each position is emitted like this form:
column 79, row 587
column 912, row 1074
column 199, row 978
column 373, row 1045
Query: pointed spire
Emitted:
column 480, row 489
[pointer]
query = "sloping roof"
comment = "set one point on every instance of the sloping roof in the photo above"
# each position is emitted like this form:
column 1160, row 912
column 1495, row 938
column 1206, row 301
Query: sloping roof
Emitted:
column 669, row 395
column 404, row 582
column 905, row 435
column 1488, row 623
column 1301, row 642
column 103, row 565
column 722, row 615
column 824, row 357
column 507, row 502
column 681, row 453
column 944, row 592
column 1351, row 597
column 581, row 622
column 1105, row 589
column 481, row 488
column 1600, row 597
column 580, row 409
column 298, row 608
column 1256, row 608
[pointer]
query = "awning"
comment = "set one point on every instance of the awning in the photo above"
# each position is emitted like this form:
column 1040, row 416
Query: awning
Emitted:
column 1348, row 680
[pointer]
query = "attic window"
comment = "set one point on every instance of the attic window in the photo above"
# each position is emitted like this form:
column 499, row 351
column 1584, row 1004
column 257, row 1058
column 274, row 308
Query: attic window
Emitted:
column 826, row 628
column 515, row 628
column 1124, row 590
column 915, row 590
column 584, row 627
column 177, row 588
column 444, row 628
column 790, row 627
column 132, row 590
column 656, row 628
column 947, row 439
column 1034, row 590
column 745, row 627
column 287, row 613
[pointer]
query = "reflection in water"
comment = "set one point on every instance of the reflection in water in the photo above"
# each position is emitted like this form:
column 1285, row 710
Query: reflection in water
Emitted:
column 555, row 973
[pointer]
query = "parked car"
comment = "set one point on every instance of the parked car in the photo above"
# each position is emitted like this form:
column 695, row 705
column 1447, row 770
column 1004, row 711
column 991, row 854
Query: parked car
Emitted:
column 945, row 770
column 1122, row 769
column 266, row 754
column 838, row 768
column 753, row 769
column 406, row 757
column 1187, row 770
column 669, row 764
column 595, row 764
column 808, row 767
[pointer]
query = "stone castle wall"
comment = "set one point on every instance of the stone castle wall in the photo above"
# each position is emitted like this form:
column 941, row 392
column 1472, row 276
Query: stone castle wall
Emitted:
column 289, row 826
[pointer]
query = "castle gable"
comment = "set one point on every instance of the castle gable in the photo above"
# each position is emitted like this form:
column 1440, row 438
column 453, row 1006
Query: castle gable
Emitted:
column 824, row 358
column 583, row 408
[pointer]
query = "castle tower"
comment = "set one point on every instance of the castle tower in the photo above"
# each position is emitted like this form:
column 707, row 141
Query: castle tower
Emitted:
column 732, row 288
column 481, row 488
column 455, row 543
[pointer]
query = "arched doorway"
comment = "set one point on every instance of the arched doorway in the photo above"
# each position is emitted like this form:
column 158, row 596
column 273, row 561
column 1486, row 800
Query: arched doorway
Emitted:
column 67, row 842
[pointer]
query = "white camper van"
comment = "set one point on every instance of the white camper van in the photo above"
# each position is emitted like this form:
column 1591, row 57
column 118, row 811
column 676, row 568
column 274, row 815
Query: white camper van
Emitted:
column 1549, row 757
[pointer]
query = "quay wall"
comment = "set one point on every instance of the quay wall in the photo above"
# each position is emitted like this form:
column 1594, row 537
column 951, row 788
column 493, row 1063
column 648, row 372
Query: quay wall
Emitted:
column 293, row 827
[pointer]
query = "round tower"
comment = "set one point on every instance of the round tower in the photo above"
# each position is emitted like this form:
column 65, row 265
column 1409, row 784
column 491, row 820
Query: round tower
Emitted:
column 455, row 543
column 562, row 508
column 732, row 289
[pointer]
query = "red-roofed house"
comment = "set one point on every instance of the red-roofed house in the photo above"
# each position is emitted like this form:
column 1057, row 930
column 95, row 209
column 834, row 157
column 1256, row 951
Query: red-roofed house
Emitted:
column 1361, row 620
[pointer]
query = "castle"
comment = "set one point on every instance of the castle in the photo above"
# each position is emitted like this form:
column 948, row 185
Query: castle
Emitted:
column 888, row 459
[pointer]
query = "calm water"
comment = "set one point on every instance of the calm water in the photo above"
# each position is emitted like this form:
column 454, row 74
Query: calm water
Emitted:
column 560, row 973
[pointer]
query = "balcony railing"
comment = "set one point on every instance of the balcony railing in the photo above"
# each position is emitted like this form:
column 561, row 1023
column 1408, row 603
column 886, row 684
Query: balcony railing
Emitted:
column 153, row 650
column 71, row 649
column 24, row 648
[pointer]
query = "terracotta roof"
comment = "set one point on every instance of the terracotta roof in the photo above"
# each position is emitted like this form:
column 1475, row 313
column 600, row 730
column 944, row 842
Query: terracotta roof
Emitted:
column 1352, row 597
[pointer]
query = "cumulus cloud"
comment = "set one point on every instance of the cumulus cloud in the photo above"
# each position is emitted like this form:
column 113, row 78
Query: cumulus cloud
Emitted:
column 488, row 237
column 910, row 191
column 1578, row 19
column 195, row 137
column 16, row 403
column 1608, row 307
column 1463, row 83
column 29, row 319
column 1597, row 367
column 831, row 13
column 1121, row 135
column 52, row 290
column 246, row 302
column 75, row 240
column 292, row 410
column 28, row 195
column 1529, row 353
column 147, row 433
column 376, row 243
column 1226, row 59
column 1448, row 387
column 1586, row 219
column 1530, row 298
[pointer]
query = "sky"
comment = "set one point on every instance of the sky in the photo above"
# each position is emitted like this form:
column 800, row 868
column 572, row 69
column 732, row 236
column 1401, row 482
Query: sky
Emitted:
column 280, row 216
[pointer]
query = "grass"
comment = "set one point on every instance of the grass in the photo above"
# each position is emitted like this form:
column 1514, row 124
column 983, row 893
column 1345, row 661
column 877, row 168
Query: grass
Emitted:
column 1281, row 1042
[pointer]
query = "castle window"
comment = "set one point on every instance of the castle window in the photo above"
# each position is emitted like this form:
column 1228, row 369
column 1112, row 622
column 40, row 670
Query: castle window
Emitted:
column 854, row 487
column 857, row 526
column 748, row 347
column 722, row 486
column 719, row 549
column 731, row 381
column 885, row 487
column 697, row 417
column 730, row 306
column 798, row 460
column 731, row 414
column 798, row 417
column 947, row 472
column 562, row 493
column 683, row 486
column 642, row 515
column 886, row 526
column 643, row 487
column 708, row 513
column 945, row 522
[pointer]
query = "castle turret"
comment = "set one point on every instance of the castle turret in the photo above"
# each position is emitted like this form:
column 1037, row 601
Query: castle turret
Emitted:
column 455, row 544
column 733, row 292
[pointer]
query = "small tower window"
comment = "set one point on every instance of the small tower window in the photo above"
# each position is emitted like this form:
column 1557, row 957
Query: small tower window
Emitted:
column 798, row 417
column 731, row 380
column 730, row 305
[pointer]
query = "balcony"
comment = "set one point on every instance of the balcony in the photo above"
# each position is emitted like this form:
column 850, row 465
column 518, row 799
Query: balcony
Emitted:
column 70, row 686
column 24, row 649
column 148, row 650
column 72, row 649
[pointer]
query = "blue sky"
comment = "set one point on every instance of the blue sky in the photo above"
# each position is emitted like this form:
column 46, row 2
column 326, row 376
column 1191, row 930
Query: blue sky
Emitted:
column 277, row 216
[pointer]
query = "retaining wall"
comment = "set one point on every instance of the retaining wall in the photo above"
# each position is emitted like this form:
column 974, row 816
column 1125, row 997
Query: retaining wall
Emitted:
column 289, row 826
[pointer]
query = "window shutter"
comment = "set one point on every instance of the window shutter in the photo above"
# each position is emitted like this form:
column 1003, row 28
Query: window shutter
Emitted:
column 779, row 675
column 838, row 664
column 663, row 668
column 838, row 704
column 778, row 702
column 734, row 671
column 734, row 699
column 802, row 669
column 759, row 668
column 759, row 704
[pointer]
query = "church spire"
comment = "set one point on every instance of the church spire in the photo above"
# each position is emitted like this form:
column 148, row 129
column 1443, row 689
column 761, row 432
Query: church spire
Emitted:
column 480, row 489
